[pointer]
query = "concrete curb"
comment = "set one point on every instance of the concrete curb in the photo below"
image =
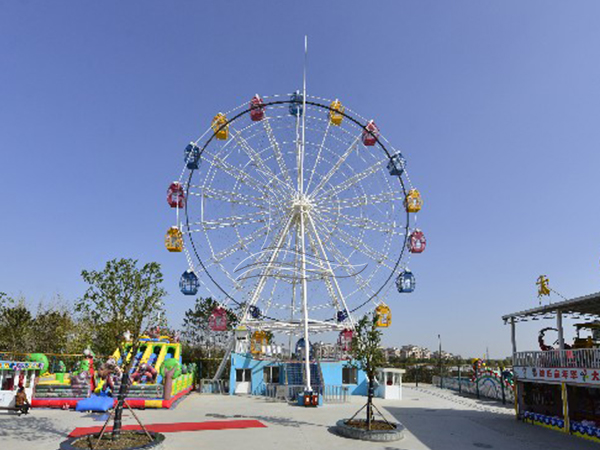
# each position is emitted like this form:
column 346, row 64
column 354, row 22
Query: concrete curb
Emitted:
column 158, row 444
column 374, row 436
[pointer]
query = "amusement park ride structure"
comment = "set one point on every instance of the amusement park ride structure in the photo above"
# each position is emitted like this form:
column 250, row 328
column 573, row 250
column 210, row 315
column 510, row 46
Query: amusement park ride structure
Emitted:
column 299, row 213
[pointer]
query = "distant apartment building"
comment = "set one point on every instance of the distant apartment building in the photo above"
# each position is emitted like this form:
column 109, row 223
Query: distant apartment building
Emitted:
column 445, row 355
column 392, row 352
column 414, row 352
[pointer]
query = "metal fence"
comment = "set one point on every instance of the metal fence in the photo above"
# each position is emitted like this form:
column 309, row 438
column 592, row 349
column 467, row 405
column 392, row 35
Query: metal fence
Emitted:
column 585, row 358
column 290, row 392
column 208, row 386
column 335, row 394
column 486, row 387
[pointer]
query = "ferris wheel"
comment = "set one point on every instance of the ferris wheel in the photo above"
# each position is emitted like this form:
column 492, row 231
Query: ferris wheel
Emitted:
column 297, row 214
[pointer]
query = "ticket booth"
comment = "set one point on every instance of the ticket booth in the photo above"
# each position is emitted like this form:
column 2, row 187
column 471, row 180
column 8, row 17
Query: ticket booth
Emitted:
column 14, row 374
column 389, row 384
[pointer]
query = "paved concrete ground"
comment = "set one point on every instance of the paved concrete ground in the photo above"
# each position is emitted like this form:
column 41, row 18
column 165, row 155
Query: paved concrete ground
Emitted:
column 435, row 419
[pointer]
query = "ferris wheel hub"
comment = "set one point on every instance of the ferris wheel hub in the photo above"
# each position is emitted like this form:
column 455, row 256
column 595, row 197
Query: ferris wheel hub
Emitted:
column 302, row 203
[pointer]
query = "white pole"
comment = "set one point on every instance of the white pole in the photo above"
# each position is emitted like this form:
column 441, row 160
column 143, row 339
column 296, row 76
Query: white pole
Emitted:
column 559, row 326
column 302, row 237
column 302, row 148
column 305, row 306
column 294, row 285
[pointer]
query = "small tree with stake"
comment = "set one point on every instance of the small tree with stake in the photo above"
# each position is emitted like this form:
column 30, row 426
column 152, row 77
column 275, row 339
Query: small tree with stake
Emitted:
column 124, row 299
column 367, row 356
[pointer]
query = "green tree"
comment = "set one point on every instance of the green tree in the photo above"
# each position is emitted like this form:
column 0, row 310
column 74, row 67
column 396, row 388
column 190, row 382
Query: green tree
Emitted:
column 52, row 329
column 123, row 298
column 16, row 323
column 81, row 336
column 367, row 355
column 120, row 298
column 196, row 330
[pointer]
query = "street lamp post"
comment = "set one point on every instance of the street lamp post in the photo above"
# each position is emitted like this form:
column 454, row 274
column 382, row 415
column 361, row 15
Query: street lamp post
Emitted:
column 440, row 356
column 417, row 369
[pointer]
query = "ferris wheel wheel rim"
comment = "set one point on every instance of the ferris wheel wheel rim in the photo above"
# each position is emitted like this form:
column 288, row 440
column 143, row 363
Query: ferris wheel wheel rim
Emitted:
column 378, row 142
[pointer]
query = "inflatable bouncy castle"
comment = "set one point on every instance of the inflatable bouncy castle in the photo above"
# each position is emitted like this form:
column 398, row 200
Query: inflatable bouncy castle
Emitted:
column 157, row 376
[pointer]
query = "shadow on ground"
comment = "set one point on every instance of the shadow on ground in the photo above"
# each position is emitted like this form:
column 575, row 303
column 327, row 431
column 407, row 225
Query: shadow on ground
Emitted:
column 30, row 428
column 450, row 428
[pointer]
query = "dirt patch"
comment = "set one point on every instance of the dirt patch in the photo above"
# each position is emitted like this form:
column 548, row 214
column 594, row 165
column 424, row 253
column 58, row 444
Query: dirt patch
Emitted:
column 376, row 425
column 128, row 439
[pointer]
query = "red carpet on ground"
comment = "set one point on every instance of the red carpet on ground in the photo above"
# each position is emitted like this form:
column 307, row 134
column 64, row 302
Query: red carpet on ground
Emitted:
column 178, row 427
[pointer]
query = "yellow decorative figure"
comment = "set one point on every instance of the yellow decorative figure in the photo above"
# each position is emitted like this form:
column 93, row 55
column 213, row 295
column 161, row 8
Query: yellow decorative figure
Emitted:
column 336, row 112
column 384, row 316
column 174, row 240
column 220, row 126
column 413, row 201
column 258, row 341
column 543, row 288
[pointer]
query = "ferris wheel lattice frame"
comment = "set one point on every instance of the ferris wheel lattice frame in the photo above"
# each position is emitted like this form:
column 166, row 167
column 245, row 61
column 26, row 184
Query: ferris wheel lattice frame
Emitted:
column 247, row 305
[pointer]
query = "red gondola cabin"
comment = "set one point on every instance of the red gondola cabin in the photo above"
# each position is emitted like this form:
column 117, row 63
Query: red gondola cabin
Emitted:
column 257, row 109
column 370, row 134
column 346, row 340
column 218, row 319
column 417, row 242
column 175, row 195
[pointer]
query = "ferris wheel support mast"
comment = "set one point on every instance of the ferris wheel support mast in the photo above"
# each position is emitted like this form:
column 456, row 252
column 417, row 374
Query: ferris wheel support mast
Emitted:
column 302, row 208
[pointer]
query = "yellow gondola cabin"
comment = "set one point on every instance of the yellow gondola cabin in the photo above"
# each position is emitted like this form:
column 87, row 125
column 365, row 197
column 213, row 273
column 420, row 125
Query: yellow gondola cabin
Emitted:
column 220, row 126
column 384, row 316
column 174, row 240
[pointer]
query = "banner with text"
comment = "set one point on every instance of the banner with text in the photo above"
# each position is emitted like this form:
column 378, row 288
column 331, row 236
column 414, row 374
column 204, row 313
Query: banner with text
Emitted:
column 567, row 375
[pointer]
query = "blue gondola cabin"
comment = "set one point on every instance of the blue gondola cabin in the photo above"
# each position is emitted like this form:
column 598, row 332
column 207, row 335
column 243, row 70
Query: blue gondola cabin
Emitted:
column 296, row 103
column 396, row 165
column 192, row 156
column 189, row 283
column 406, row 282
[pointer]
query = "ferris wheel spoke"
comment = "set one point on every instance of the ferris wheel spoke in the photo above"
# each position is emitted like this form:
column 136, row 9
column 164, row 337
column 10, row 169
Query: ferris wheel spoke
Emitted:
column 277, row 151
column 328, row 273
column 353, row 180
column 360, row 246
column 352, row 147
column 278, row 240
column 331, row 283
column 230, row 197
column 318, row 158
column 260, row 163
column 236, row 284
column 242, row 244
column 232, row 221
column 366, row 223
column 362, row 283
column 333, row 204
column 269, row 302
column 238, row 174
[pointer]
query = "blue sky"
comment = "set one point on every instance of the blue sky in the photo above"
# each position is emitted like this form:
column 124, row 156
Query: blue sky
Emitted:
column 495, row 104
